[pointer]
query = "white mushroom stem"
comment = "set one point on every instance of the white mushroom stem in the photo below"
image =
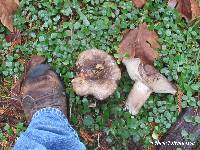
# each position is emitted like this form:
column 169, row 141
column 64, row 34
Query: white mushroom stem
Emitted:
column 137, row 97
column 147, row 80
column 132, row 66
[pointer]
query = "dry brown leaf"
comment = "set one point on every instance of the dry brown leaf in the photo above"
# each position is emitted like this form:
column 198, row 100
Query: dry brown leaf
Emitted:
column 140, row 43
column 7, row 9
column 195, row 8
column 179, row 97
column 139, row 3
column 172, row 3
column 190, row 9
column 14, row 37
column 1, row 111
column 184, row 7
column 86, row 136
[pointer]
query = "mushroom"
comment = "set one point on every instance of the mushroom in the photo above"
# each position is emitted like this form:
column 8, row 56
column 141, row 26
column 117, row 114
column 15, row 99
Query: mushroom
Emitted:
column 147, row 80
column 97, row 74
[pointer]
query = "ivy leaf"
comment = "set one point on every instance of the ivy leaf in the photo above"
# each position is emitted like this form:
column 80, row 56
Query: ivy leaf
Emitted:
column 140, row 43
column 197, row 119
column 184, row 133
column 195, row 86
column 88, row 121
column 8, row 129
column 188, row 118
column 7, row 9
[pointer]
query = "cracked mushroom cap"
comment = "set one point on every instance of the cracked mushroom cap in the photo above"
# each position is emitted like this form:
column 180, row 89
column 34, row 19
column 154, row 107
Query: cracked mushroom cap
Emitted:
column 97, row 74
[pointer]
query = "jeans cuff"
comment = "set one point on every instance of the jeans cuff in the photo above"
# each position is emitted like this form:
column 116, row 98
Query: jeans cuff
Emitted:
column 49, row 110
column 54, row 111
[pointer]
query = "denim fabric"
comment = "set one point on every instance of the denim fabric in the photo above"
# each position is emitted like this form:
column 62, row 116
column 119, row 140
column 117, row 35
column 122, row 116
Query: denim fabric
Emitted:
column 49, row 129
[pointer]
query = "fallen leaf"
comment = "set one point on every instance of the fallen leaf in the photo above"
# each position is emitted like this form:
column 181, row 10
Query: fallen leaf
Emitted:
column 184, row 7
column 179, row 97
column 1, row 111
column 14, row 37
column 86, row 136
column 7, row 10
column 195, row 8
column 139, row 3
column 140, row 43
column 190, row 9
column 11, row 111
column 172, row 3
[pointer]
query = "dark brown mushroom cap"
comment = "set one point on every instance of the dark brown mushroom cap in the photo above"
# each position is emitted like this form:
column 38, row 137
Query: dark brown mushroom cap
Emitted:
column 97, row 74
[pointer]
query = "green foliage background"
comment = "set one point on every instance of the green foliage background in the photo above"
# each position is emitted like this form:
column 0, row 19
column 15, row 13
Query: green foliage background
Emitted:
column 60, row 30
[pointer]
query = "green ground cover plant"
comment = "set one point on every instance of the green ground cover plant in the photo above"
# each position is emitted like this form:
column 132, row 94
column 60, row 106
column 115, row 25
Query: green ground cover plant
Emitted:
column 59, row 30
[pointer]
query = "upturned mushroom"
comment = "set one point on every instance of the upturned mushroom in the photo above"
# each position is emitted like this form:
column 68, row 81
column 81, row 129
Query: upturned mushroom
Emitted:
column 97, row 74
column 147, row 80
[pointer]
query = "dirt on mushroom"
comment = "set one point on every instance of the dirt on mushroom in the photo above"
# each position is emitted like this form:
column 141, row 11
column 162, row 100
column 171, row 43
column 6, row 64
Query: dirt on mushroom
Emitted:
column 97, row 74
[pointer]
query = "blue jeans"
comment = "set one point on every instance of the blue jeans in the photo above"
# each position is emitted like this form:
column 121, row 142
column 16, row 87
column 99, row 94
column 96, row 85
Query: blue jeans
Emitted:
column 49, row 130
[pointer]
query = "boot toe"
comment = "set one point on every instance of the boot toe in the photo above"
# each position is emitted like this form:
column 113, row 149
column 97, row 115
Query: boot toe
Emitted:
column 38, row 71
